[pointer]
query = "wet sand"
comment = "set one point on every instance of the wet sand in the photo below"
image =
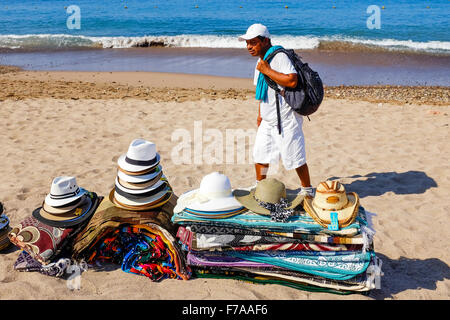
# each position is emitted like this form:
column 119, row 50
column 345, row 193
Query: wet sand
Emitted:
column 337, row 66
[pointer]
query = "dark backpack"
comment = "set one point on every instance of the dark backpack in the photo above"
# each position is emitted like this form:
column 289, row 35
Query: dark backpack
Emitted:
column 307, row 96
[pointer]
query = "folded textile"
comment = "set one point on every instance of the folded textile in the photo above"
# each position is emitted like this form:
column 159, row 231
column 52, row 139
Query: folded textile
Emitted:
column 242, row 242
column 330, row 239
column 260, row 279
column 44, row 242
column 108, row 216
column 140, row 249
column 150, row 257
column 359, row 283
column 299, row 222
column 25, row 262
column 215, row 214
column 331, row 265
column 41, row 241
column 206, row 259
column 339, row 265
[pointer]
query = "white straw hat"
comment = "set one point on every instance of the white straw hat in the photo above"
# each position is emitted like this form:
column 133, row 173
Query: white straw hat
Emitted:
column 141, row 155
column 214, row 194
column 139, row 178
column 63, row 190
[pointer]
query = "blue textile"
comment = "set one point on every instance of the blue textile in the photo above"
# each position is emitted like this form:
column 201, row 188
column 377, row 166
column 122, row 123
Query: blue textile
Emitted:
column 262, row 86
column 337, row 265
column 300, row 222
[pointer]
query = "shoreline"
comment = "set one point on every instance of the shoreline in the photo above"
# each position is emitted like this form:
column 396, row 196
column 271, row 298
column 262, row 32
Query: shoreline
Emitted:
column 336, row 67
column 18, row 84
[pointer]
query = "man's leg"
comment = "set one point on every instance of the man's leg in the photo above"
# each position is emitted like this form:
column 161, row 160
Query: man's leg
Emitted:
column 303, row 174
column 261, row 170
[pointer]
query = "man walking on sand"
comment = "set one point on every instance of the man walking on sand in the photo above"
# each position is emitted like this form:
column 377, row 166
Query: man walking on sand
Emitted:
column 270, row 144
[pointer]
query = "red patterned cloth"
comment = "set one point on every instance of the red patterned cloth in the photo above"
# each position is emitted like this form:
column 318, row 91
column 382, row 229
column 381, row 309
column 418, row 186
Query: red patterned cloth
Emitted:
column 39, row 240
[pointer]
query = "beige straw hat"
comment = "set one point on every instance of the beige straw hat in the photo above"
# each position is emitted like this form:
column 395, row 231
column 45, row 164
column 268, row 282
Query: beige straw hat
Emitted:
column 269, row 191
column 331, row 197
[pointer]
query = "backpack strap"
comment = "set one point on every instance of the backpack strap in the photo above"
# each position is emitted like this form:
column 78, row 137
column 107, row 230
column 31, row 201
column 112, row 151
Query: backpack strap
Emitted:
column 274, row 86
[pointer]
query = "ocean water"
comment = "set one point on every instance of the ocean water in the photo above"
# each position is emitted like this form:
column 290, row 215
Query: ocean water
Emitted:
column 418, row 25
column 346, row 41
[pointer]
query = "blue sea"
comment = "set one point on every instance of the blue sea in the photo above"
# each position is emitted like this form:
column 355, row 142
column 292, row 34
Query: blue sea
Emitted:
column 28, row 28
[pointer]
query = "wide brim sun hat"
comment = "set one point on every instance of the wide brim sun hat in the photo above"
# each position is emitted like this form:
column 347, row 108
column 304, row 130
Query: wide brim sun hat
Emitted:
column 268, row 191
column 331, row 197
column 213, row 195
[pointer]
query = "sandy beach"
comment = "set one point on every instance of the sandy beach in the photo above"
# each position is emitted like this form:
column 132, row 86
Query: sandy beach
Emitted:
column 387, row 143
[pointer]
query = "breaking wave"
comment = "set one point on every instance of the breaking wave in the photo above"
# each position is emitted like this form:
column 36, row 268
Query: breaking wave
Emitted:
column 65, row 41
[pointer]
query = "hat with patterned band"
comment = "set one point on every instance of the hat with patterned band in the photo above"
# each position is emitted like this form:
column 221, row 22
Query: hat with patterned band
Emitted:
column 64, row 190
column 271, row 198
column 141, row 156
column 331, row 197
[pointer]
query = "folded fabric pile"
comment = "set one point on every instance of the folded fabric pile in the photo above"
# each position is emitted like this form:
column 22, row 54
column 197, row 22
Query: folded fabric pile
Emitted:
column 133, row 226
column 264, row 235
column 4, row 229
column 140, row 184
column 46, row 236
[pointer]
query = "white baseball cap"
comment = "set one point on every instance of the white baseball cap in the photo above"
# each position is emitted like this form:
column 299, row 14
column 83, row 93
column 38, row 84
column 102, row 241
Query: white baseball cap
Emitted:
column 255, row 30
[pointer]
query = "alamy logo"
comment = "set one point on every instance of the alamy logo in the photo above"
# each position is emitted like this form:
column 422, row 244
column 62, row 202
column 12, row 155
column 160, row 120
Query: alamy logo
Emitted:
column 74, row 20
column 374, row 20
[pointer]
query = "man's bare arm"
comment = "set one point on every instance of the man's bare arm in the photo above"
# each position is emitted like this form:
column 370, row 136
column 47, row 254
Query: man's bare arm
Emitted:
column 285, row 80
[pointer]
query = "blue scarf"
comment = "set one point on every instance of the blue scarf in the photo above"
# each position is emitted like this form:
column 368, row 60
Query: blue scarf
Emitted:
column 261, row 86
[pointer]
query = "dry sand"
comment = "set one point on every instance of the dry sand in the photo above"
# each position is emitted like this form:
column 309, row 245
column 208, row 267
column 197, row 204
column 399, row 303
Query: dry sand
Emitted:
column 392, row 153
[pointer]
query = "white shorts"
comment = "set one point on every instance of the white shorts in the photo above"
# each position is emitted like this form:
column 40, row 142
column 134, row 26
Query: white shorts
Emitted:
column 290, row 144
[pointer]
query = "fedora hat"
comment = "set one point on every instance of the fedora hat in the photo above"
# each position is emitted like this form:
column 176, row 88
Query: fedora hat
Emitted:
column 141, row 156
column 63, row 191
column 63, row 209
column 79, row 213
column 139, row 186
column 159, row 186
column 271, row 198
column 215, row 194
column 142, row 204
column 141, row 178
column 331, row 197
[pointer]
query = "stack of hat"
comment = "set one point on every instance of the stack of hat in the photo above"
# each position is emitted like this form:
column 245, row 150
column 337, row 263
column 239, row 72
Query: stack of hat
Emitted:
column 140, row 183
column 4, row 229
column 269, row 238
column 48, row 230
column 67, row 204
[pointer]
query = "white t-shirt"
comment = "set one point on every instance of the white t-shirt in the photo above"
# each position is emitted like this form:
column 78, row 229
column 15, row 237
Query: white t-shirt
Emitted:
column 281, row 63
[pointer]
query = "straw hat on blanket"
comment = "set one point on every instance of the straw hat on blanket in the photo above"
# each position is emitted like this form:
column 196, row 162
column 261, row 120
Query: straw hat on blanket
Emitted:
column 213, row 196
column 331, row 197
column 271, row 198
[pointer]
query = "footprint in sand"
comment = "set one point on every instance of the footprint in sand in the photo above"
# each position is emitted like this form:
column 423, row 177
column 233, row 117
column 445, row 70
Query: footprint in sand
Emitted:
column 23, row 193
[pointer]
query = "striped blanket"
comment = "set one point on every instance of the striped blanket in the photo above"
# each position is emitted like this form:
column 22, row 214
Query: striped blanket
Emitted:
column 245, row 242
column 337, row 265
column 299, row 223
